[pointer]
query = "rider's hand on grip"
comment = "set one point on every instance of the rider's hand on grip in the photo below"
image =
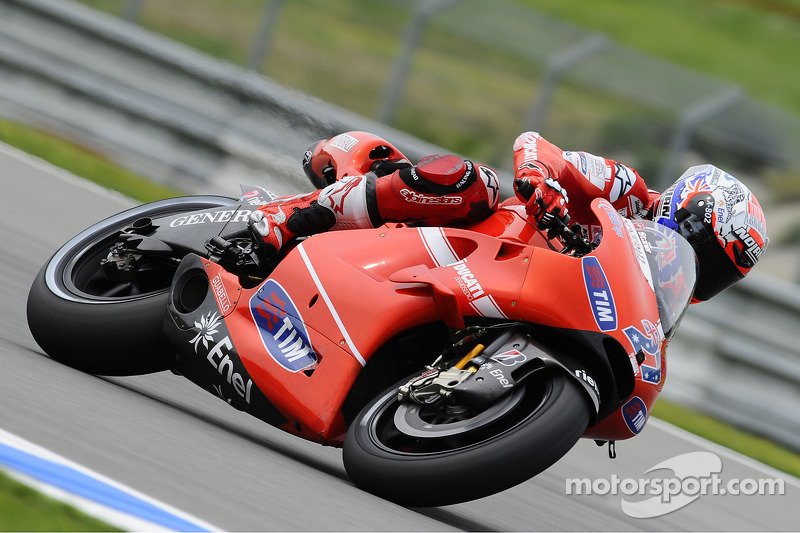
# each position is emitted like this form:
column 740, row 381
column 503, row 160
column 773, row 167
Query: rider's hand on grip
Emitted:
column 546, row 198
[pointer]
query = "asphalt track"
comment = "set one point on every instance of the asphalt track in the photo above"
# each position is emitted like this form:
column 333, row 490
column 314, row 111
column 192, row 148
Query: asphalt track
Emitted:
column 163, row 437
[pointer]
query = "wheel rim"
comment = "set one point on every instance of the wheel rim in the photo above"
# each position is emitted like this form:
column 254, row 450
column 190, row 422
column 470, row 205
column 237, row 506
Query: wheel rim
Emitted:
column 415, row 430
column 410, row 418
column 83, row 277
column 77, row 276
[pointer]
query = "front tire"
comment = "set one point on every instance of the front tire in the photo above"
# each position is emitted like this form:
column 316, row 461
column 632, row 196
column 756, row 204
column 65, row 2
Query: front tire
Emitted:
column 101, row 326
column 427, row 459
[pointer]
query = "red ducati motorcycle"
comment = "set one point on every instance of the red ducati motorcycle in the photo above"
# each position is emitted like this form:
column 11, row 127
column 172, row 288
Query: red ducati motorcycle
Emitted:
column 450, row 363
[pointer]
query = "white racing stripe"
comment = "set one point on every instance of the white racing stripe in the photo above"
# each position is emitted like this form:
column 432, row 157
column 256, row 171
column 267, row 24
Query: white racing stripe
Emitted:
column 443, row 254
column 487, row 306
column 328, row 302
column 438, row 246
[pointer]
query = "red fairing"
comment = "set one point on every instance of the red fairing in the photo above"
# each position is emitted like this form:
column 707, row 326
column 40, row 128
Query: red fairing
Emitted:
column 353, row 292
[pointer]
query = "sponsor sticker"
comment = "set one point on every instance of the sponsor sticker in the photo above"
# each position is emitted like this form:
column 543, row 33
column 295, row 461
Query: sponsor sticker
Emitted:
column 600, row 298
column 344, row 142
column 258, row 196
column 419, row 198
column 221, row 355
column 510, row 358
column 466, row 280
column 281, row 327
column 592, row 167
column 581, row 374
column 226, row 215
column 223, row 301
column 634, row 412
column 614, row 217
column 752, row 249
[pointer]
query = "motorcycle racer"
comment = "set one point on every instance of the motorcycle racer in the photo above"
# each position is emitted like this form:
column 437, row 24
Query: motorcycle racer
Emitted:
column 715, row 212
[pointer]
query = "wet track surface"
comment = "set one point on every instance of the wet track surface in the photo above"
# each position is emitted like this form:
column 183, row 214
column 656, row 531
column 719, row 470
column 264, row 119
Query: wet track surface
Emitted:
column 163, row 436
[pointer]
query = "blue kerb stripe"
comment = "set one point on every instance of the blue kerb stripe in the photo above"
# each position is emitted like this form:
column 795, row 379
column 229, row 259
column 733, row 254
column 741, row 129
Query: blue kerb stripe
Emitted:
column 76, row 482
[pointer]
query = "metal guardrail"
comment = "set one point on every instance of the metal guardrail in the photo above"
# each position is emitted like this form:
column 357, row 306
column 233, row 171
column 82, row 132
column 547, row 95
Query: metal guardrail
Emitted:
column 689, row 107
column 203, row 125
column 737, row 358
column 161, row 108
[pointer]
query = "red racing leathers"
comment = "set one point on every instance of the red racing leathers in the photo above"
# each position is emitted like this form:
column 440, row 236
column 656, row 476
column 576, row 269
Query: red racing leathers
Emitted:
column 438, row 191
column 580, row 177
column 444, row 189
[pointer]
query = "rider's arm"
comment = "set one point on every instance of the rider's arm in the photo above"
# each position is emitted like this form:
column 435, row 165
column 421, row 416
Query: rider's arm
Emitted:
column 583, row 177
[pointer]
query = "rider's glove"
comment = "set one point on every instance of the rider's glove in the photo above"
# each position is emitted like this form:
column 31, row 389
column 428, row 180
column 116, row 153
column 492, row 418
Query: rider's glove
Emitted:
column 545, row 197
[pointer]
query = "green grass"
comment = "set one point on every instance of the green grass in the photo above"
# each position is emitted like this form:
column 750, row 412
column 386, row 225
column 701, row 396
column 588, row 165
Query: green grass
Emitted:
column 82, row 162
column 750, row 42
column 753, row 43
column 24, row 509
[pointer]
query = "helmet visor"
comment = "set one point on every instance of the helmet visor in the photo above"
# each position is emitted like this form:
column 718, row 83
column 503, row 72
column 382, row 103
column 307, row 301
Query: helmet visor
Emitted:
column 716, row 270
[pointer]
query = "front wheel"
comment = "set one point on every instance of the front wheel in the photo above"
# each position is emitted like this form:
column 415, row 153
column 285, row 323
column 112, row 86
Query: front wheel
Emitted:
column 423, row 456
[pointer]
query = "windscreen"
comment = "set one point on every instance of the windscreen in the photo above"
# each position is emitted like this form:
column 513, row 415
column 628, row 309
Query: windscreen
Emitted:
column 671, row 269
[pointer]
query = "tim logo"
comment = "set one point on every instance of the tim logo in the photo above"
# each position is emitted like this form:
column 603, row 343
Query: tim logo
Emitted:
column 282, row 330
column 600, row 298
column 634, row 412
column 649, row 343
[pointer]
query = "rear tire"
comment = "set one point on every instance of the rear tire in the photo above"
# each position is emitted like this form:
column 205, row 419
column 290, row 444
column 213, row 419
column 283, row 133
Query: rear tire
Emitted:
column 442, row 461
column 84, row 320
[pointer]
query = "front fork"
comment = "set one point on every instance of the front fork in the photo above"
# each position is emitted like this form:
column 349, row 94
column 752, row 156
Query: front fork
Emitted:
column 487, row 373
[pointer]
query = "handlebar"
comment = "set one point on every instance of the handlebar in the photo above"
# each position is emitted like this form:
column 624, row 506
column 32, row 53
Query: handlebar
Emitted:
column 557, row 226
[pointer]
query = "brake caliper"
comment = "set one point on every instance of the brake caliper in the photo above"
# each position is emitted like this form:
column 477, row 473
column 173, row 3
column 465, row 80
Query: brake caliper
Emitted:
column 436, row 383
column 433, row 385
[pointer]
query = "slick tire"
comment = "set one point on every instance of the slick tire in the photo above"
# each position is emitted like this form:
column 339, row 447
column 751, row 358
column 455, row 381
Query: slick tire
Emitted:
column 112, row 331
column 496, row 450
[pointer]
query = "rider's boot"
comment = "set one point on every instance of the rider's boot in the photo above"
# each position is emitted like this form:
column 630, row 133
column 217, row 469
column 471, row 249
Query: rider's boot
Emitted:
column 341, row 205
column 280, row 221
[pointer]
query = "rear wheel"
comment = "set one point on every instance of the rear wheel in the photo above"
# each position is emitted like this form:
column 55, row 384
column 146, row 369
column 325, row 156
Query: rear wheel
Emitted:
column 86, row 320
column 423, row 456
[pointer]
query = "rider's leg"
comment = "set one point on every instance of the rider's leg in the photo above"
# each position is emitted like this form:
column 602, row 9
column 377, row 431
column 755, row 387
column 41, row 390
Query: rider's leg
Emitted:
column 346, row 204
column 439, row 190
